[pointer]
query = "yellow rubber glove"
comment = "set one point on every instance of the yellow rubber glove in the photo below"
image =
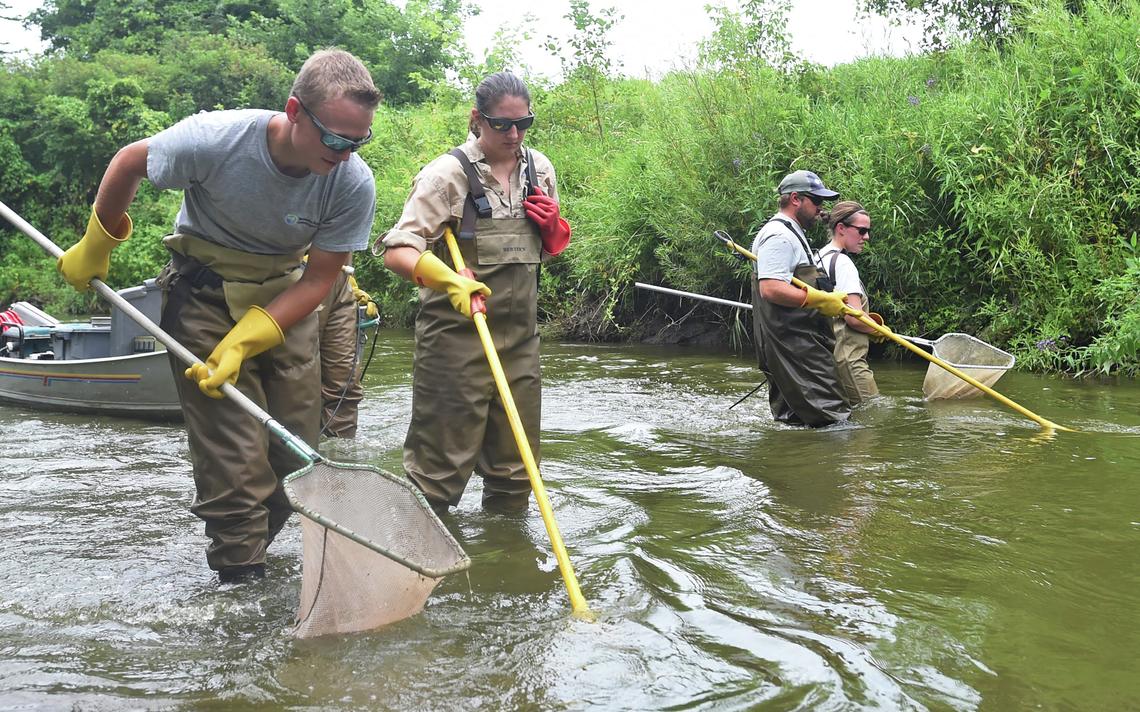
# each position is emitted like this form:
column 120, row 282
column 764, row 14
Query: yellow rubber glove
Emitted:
column 91, row 256
column 828, row 303
column 431, row 272
column 878, row 337
column 254, row 333
column 363, row 299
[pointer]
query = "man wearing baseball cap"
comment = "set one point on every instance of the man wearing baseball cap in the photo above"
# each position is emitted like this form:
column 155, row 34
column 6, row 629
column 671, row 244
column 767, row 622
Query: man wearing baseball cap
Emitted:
column 794, row 338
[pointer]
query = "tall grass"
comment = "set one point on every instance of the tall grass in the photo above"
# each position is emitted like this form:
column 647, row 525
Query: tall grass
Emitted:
column 1003, row 186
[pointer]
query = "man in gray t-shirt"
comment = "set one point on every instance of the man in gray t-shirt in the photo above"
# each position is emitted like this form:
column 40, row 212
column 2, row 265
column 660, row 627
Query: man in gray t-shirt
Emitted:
column 792, row 324
column 260, row 188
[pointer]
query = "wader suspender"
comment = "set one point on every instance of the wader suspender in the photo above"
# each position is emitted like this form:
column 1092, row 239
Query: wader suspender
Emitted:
column 803, row 242
column 477, row 205
column 831, row 272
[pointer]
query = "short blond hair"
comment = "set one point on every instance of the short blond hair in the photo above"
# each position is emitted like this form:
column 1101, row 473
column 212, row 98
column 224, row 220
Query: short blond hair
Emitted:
column 330, row 74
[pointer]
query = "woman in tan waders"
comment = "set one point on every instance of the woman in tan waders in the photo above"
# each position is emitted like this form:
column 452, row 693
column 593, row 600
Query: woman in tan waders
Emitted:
column 501, row 201
column 850, row 229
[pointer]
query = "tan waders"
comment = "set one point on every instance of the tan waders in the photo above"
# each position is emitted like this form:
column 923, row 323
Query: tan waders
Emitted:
column 341, row 391
column 237, row 466
column 856, row 379
column 794, row 348
column 458, row 422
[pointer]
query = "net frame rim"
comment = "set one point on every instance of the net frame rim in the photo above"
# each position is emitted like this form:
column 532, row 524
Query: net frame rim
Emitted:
column 970, row 337
column 462, row 564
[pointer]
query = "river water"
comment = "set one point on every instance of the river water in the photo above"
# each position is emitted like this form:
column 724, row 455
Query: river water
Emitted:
column 943, row 556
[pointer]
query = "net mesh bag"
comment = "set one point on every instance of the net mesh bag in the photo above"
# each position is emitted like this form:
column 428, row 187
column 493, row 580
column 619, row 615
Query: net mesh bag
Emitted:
column 373, row 550
column 973, row 357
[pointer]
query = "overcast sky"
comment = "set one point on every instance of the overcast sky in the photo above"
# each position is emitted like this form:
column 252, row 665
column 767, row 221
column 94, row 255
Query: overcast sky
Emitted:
column 653, row 37
column 657, row 35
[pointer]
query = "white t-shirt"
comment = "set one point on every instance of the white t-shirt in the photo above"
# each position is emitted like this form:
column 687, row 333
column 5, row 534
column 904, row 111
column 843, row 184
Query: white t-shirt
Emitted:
column 779, row 250
column 846, row 275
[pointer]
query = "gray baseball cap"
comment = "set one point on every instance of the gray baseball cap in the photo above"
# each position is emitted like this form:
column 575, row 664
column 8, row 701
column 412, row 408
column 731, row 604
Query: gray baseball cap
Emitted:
column 805, row 182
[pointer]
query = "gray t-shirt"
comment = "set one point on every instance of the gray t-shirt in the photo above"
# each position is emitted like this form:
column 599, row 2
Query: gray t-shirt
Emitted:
column 235, row 196
column 778, row 250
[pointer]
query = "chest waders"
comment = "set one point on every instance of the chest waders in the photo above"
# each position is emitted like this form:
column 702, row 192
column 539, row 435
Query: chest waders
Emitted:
column 856, row 380
column 794, row 349
column 238, row 468
column 458, row 422
column 341, row 390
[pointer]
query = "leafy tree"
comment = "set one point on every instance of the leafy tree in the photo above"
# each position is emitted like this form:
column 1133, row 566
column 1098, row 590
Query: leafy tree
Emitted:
column 504, row 54
column 943, row 21
column 947, row 21
column 756, row 34
column 84, row 27
column 407, row 51
column 586, row 60
column 4, row 7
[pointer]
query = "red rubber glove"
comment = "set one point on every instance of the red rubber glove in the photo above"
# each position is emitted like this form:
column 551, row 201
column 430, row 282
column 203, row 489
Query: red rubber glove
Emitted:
column 553, row 228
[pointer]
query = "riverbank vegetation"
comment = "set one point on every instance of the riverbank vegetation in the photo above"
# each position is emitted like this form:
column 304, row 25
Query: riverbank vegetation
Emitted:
column 1002, row 178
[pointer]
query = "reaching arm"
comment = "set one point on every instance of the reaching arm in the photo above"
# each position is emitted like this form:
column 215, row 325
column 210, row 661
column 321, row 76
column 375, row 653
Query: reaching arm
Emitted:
column 855, row 301
column 788, row 295
column 262, row 329
column 120, row 182
column 109, row 223
column 402, row 260
column 303, row 296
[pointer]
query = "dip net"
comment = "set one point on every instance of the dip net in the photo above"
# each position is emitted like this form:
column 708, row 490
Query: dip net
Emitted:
column 373, row 548
column 972, row 356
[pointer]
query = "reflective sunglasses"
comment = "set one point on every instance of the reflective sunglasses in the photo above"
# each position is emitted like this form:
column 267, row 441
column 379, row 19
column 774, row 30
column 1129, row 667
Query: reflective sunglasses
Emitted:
column 863, row 231
column 498, row 123
column 334, row 141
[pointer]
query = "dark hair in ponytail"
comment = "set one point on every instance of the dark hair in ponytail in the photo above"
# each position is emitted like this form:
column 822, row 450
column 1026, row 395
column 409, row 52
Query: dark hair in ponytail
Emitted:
column 492, row 89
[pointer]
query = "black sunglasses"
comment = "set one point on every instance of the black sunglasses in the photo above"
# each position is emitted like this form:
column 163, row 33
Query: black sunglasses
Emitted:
column 863, row 231
column 498, row 123
column 815, row 199
column 331, row 140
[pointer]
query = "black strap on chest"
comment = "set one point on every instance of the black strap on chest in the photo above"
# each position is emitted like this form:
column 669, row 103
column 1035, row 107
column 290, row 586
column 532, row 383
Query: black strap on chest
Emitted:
column 531, row 177
column 477, row 204
column 831, row 270
column 803, row 242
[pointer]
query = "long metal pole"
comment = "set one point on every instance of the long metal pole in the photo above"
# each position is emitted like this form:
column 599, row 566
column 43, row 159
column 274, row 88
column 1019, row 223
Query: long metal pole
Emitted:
column 740, row 305
column 692, row 295
column 166, row 339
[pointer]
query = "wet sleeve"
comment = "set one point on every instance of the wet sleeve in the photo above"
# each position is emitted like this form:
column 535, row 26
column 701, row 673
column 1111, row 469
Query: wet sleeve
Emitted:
column 172, row 155
column 433, row 203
